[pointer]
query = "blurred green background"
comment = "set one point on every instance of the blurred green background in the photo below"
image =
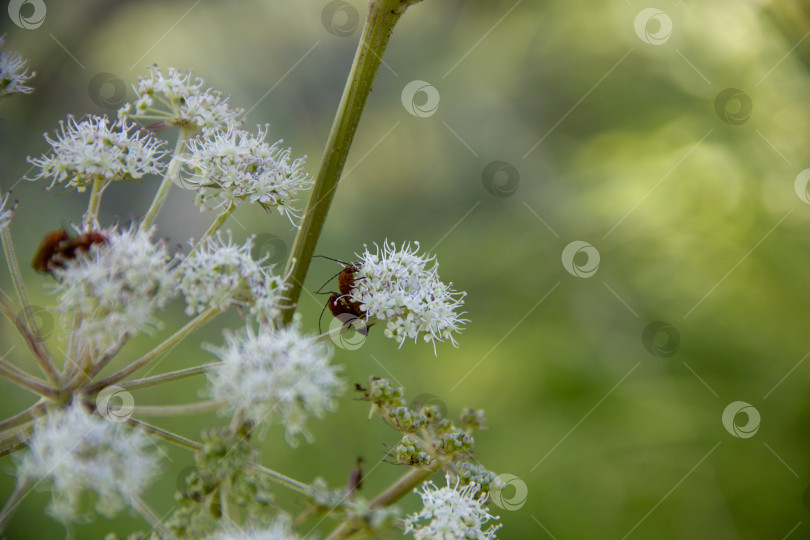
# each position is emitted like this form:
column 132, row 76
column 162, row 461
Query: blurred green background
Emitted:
column 613, row 129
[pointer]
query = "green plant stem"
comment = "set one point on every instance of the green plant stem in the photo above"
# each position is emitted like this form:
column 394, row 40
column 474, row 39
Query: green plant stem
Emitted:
column 166, row 346
column 404, row 485
column 149, row 515
column 215, row 226
column 168, row 377
column 165, row 186
column 383, row 15
column 25, row 380
column 31, row 341
column 91, row 216
column 282, row 479
column 23, row 416
column 43, row 359
column 178, row 410
column 160, row 433
column 19, row 493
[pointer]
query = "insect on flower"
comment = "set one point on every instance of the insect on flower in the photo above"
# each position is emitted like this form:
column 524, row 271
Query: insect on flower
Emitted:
column 58, row 247
column 341, row 304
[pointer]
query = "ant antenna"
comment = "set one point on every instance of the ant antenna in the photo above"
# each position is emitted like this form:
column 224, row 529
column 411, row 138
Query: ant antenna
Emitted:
column 320, row 289
column 332, row 259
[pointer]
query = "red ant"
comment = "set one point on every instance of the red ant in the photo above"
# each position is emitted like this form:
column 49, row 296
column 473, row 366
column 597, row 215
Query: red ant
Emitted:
column 59, row 247
column 341, row 304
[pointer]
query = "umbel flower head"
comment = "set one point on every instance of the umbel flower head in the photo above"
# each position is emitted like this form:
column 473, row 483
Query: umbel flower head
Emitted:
column 98, row 149
column 279, row 530
column 183, row 101
column 451, row 513
column 277, row 374
column 228, row 166
column 114, row 288
column 77, row 451
column 220, row 273
column 13, row 73
column 403, row 289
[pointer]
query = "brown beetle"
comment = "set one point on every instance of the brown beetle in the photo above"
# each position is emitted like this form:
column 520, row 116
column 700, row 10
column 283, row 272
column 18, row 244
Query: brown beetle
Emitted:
column 58, row 247
column 341, row 304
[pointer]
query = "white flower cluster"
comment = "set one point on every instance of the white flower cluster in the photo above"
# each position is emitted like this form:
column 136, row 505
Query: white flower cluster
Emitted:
column 114, row 288
column 13, row 73
column 228, row 166
column 5, row 213
column 186, row 103
column 97, row 148
column 453, row 513
column 279, row 530
column 77, row 450
column 396, row 286
column 220, row 273
column 277, row 373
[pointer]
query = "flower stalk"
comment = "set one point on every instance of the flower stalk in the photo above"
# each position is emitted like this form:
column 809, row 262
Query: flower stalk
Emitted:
column 383, row 16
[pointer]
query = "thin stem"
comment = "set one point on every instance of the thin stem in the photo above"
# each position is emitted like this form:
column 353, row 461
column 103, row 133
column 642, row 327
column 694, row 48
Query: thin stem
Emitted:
column 282, row 479
column 383, row 15
column 404, row 485
column 218, row 222
column 92, row 368
column 19, row 493
column 44, row 360
column 171, row 174
column 166, row 346
column 30, row 340
column 167, row 436
column 23, row 416
column 177, row 410
column 168, row 377
column 149, row 515
column 25, row 380
column 90, row 219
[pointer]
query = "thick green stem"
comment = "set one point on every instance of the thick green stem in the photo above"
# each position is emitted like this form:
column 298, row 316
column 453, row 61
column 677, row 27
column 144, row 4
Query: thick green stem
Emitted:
column 404, row 485
column 172, row 173
column 90, row 220
column 43, row 358
column 166, row 346
column 383, row 15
